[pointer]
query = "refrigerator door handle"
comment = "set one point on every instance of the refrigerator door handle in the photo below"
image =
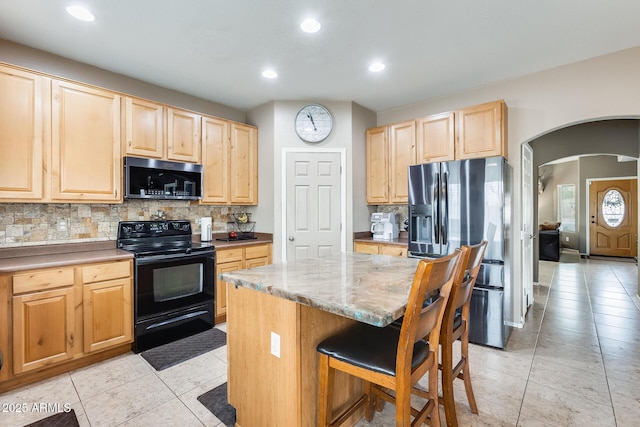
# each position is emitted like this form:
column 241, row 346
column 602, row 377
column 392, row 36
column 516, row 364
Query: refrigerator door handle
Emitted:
column 436, row 209
column 445, row 207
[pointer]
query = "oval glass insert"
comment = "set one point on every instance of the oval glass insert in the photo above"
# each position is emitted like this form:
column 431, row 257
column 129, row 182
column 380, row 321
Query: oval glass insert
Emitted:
column 613, row 208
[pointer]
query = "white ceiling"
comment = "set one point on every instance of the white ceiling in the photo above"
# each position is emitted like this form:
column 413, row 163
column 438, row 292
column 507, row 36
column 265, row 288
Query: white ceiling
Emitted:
column 217, row 49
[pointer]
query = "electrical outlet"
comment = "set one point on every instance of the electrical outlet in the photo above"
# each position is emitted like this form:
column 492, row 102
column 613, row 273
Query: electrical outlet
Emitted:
column 62, row 225
column 566, row 238
column 275, row 344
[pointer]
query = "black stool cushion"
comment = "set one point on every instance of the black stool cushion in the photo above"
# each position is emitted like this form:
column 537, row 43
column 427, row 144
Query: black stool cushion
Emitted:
column 370, row 347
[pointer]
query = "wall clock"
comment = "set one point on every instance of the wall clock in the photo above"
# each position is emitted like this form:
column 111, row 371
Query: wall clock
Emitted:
column 313, row 123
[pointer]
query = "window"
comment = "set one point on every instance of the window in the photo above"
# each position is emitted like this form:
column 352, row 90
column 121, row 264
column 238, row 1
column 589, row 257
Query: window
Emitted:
column 613, row 208
column 567, row 207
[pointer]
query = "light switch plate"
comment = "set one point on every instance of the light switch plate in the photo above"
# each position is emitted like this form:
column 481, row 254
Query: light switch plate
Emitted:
column 275, row 344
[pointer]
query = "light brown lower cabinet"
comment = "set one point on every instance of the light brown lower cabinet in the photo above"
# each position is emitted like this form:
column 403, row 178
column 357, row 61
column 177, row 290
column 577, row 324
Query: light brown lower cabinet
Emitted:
column 59, row 315
column 107, row 294
column 232, row 259
column 380, row 249
column 43, row 329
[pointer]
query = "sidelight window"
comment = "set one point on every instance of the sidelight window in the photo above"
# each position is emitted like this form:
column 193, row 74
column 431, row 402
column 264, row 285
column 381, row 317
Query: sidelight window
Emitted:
column 567, row 207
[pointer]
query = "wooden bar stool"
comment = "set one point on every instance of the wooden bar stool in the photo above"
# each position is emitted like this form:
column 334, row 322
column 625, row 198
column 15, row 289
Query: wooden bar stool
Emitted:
column 392, row 358
column 456, row 326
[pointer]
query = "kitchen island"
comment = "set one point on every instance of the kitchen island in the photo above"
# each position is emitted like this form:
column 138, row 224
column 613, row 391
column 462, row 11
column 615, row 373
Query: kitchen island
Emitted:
column 277, row 314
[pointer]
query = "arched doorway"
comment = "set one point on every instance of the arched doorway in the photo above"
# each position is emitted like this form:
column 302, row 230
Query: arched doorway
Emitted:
column 615, row 137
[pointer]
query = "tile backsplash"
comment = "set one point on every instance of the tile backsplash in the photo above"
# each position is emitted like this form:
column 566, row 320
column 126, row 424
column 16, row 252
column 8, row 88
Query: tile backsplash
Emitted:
column 24, row 224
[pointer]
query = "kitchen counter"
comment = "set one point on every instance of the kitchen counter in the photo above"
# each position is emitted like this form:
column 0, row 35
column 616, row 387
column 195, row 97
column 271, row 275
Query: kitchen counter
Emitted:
column 362, row 287
column 276, row 316
column 366, row 237
column 22, row 258
column 221, row 244
column 49, row 256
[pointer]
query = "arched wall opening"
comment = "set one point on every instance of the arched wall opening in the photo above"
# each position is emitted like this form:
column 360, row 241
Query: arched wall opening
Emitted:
column 595, row 146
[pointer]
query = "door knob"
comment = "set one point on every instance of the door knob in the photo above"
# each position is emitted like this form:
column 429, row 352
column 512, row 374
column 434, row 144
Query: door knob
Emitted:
column 291, row 238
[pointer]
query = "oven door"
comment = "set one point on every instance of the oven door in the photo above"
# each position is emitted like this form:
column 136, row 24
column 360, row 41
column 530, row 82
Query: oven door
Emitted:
column 170, row 283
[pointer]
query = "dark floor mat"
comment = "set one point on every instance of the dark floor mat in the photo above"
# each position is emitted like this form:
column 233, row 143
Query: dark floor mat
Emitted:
column 171, row 354
column 63, row 419
column 216, row 401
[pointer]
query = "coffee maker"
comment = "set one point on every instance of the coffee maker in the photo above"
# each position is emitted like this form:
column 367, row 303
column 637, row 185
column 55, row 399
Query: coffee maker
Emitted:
column 384, row 226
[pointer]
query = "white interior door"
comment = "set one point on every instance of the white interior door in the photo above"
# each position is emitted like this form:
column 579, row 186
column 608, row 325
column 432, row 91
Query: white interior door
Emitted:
column 527, row 227
column 313, row 204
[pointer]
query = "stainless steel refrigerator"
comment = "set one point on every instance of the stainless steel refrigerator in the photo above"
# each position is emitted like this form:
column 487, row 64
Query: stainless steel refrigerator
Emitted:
column 463, row 202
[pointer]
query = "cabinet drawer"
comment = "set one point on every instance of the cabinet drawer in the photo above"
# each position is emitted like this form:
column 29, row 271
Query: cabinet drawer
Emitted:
column 102, row 272
column 227, row 255
column 42, row 280
column 257, row 252
column 393, row 250
column 366, row 248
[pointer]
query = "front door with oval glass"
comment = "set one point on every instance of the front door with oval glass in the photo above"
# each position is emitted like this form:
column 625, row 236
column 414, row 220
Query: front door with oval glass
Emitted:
column 613, row 218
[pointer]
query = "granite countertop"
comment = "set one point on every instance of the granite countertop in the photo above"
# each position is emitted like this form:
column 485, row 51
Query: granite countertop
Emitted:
column 369, row 288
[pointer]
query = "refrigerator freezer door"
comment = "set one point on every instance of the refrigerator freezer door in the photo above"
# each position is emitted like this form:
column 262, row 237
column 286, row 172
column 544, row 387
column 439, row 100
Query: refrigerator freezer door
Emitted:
column 491, row 275
column 486, row 318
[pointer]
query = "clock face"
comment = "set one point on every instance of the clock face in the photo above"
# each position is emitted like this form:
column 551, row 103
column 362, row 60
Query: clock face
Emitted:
column 313, row 123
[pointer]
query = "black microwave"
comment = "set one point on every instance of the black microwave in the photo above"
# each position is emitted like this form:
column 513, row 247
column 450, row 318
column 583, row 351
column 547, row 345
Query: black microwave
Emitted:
column 161, row 179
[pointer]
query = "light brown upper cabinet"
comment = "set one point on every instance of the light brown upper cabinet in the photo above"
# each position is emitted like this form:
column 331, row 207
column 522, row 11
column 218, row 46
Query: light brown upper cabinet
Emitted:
column 183, row 135
column 85, row 144
column 144, row 128
column 25, row 112
column 215, row 160
column 377, row 149
column 390, row 151
column 230, row 162
column 243, row 164
column 435, row 138
column 481, row 131
column 402, row 149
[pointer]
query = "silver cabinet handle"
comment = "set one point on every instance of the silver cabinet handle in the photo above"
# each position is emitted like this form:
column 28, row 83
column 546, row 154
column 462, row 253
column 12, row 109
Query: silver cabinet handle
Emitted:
column 291, row 238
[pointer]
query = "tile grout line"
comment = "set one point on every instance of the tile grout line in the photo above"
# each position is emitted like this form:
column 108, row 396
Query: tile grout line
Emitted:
column 604, row 366
column 535, row 348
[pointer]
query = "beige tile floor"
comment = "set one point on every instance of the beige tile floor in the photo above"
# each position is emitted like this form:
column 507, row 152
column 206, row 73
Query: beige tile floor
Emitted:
column 575, row 363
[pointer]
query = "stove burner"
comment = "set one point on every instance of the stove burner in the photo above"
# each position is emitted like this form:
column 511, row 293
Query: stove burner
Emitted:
column 148, row 238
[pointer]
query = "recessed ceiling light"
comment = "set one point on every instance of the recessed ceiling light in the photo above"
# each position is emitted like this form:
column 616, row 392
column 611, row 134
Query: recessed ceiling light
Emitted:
column 376, row 67
column 81, row 13
column 310, row 26
column 269, row 74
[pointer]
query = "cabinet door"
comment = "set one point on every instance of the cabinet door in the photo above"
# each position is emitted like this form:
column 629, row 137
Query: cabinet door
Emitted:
column 366, row 248
column 393, row 250
column 402, row 149
column 243, row 165
column 5, row 331
column 85, row 144
column 481, row 131
column 183, row 136
column 108, row 314
column 43, row 329
column 24, row 121
column 377, row 148
column 256, row 262
column 144, row 128
column 215, row 160
column 435, row 139
column 221, row 286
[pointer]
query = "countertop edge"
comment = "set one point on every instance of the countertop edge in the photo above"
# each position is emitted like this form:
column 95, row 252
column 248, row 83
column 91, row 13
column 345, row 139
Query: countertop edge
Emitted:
column 395, row 242
column 35, row 262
